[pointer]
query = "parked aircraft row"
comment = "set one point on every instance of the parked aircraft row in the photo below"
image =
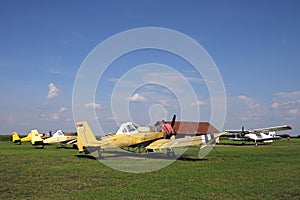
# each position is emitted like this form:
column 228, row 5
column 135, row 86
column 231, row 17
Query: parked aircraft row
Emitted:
column 258, row 135
column 146, row 139
column 37, row 138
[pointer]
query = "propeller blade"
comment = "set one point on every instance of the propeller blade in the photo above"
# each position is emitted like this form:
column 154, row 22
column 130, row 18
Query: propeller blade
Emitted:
column 173, row 121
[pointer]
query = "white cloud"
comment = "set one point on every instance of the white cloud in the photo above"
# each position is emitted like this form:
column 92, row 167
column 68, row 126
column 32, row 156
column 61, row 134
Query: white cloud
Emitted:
column 56, row 72
column 243, row 111
column 243, row 98
column 199, row 103
column 286, row 108
column 295, row 94
column 92, row 105
column 248, row 101
column 293, row 111
column 11, row 119
column 165, row 102
column 158, row 84
column 53, row 91
column 275, row 105
column 195, row 79
column 57, row 115
column 288, row 101
column 137, row 98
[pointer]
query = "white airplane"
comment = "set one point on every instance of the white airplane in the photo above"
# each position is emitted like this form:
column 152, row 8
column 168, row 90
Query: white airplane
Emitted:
column 258, row 135
column 60, row 137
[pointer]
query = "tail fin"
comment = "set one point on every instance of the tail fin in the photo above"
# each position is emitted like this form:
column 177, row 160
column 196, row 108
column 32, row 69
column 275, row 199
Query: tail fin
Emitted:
column 15, row 137
column 36, row 138
column 79, row 144
column 85, row 134
column 85, row 137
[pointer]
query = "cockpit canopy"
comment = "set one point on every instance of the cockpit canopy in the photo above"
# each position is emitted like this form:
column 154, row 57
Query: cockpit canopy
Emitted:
column 131, row 128
column 128, row 128
column 58, row 133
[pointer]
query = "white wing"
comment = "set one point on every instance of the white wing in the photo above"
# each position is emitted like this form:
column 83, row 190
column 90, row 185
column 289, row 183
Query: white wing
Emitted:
column 271, row 129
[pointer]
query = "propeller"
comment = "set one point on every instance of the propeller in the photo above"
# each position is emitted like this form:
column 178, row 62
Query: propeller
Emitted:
column 168, row 130
column 173, row 121
column 243, row 131
column 173, row 124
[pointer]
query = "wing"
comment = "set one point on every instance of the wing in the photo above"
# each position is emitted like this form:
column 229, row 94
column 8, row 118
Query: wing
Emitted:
column 237, row 131
column 158, row 145
column 72, row 141
column 238, row 139
column 271, row 129
column 60, row 139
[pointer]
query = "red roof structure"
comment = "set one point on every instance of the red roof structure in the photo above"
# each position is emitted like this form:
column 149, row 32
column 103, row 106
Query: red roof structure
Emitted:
column 193, row 128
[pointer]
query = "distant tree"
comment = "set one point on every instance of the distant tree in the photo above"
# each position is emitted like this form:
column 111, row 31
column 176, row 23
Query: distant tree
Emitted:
column 284, row 135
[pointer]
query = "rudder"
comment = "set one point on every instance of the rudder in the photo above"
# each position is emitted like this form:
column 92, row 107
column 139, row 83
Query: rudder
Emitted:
column 16, row 138
column 36, row 138
column 85, row 134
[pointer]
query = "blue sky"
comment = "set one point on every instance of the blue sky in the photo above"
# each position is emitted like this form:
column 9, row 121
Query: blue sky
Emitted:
column 255, row 45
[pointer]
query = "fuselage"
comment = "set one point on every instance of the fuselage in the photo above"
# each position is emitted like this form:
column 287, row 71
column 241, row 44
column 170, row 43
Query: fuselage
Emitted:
column 262, row 137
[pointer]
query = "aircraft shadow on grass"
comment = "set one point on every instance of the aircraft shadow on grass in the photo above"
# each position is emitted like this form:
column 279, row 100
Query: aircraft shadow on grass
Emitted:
column 246, row 144
column 125, row 155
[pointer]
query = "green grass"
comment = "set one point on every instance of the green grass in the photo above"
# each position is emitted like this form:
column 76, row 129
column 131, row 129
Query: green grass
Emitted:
column 229, row 172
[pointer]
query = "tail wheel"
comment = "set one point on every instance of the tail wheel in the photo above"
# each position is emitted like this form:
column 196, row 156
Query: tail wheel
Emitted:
column 170, row 153
column 100, row 151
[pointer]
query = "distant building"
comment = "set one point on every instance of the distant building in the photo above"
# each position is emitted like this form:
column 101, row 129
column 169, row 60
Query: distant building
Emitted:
column 192, row 128
column 70, row 133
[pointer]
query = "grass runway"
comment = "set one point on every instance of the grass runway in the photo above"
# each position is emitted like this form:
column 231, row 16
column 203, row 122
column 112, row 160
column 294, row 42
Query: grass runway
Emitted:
column 229, row 172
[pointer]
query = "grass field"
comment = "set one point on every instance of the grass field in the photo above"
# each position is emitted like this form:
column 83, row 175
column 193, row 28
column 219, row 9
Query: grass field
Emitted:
column 228, row 172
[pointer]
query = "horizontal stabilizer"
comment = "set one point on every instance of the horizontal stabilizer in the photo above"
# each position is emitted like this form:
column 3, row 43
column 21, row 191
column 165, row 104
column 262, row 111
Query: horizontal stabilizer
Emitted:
column 183, row 142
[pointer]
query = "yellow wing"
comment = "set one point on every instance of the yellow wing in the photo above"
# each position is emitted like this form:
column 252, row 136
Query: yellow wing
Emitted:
column 161, row 144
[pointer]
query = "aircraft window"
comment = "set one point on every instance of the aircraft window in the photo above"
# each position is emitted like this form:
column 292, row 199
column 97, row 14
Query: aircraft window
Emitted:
column 130, row 128
column 135, row 126
column 124, row 130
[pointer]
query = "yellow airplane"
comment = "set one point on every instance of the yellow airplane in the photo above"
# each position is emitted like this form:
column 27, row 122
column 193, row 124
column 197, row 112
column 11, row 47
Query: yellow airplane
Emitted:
column 60, row 137
column 29, row 138
column 17, row 139
column 151, row 138
column 36, row 138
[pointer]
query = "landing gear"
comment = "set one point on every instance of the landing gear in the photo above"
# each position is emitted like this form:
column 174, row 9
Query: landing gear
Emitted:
column 170, row 153
column 99, row 151
column 93, row 149
column 39, row 144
